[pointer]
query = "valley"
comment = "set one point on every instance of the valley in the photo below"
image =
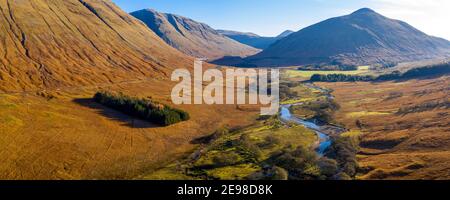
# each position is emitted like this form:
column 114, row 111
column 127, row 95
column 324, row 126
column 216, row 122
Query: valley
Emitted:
column 396, row 130
column 263, row 150
column 214, row 146
column 86, row 94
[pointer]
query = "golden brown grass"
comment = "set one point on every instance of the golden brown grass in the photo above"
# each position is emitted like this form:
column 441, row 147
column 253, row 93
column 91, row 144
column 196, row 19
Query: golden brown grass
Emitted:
column 243, row 166
column 398, row 146
column 70, row 137
column 53, row 44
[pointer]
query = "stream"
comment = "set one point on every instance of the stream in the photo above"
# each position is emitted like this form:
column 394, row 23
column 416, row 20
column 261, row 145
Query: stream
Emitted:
column 324, row 139
column 322, row 131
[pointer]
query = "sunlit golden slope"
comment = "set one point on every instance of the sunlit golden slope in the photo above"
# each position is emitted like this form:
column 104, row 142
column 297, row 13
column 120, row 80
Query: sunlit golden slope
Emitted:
column 52, row 43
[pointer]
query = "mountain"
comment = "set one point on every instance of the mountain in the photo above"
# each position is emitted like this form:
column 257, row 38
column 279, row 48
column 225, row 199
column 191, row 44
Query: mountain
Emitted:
column 236, row 33
column 363, row 37
column 54, row 44
column 191, row 37
column 252, row 39
column 285, row 34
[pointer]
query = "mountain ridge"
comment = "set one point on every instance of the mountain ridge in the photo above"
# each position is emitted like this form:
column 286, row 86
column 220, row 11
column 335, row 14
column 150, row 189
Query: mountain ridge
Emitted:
column 285, row 33
column 360, row 38
column 54, row 44
column 252, row 39
column 192, row 37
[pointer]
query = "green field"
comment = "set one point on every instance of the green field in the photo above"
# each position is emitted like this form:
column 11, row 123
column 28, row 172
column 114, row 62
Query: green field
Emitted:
column 291, row 73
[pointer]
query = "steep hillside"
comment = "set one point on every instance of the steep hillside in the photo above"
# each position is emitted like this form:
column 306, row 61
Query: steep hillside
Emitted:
column 363, row 37
column 62, row 53
column 53, row 44
column 191, row 37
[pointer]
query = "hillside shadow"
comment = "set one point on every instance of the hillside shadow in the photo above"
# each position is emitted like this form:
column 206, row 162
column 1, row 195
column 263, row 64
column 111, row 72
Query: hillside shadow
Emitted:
column 112, row 114
column 204, row 140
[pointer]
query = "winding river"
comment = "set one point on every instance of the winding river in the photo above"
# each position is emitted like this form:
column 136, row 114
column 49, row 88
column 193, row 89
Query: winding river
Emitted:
column 324, row 141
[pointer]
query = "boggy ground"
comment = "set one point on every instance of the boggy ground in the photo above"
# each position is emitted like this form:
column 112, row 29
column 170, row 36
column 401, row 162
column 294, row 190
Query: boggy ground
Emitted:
column 62, row 134
column 404, row 126
column 238, row 154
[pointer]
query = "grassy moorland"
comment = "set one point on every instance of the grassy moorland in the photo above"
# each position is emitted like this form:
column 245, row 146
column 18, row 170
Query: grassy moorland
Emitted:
column 270, row 149
column 238, row 154
column 403, row 126
column 64, row 134
column 308, row 102
column 294, row 93
column 402, row 129
column 429, row 71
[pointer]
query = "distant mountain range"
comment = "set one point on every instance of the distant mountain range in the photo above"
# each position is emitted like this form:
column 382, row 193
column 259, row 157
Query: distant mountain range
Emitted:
column 191, row 37
column 52, row 44
column 363, row 37
column 252, row 39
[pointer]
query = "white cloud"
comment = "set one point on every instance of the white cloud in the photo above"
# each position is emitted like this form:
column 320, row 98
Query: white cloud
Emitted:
column 429, row 16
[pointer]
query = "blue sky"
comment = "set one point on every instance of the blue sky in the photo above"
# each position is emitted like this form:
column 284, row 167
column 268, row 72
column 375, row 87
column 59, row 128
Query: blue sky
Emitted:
column 271, row 17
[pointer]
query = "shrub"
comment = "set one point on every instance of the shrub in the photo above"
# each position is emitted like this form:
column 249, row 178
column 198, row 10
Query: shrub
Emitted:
column 279, row 174
column 270, row 173
column 426, row 71
column 329, row 68
column 344, row 150
column 328, row 167
column 323, row 109
column 270, row 141
column 301, row 163
column 342, row 176
column 286, row 92
column 141, row 108
column 433, row 70
column 225, row 159
column 340, row 78
column 426, row 106
column 253, row 151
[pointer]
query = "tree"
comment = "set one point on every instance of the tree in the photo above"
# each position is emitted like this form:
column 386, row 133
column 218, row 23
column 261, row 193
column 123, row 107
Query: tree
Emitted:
column 328, row 167
column 142, row 108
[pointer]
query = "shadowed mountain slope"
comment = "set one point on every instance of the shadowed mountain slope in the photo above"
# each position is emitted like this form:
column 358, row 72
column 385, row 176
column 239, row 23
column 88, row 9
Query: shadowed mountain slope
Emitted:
column 191, row 37
column 252, row 39
column 363, row 37
column 285, row 34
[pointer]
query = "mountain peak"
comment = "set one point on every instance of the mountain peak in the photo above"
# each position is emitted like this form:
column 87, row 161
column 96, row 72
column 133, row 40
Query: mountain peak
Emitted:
column 191, row 37
column 364, row 11
column 364, row 37
column 285, row 33
column 146, row 10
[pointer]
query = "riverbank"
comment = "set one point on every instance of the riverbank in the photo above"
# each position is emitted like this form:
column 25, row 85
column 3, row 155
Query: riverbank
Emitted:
column 324, row 131
column 274, row 148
